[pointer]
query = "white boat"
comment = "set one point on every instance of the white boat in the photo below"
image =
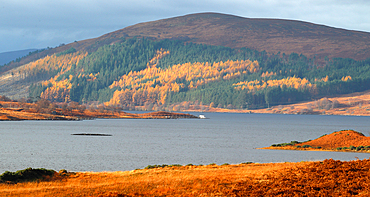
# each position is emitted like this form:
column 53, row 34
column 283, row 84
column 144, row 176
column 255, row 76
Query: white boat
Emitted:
column 202, row 116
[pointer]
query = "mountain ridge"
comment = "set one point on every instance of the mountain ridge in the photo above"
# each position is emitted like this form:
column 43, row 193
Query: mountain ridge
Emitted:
column 283, row 35
column 6, row 57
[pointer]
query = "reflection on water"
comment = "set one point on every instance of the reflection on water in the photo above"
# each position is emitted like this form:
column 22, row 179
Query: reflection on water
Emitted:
column 224, row 138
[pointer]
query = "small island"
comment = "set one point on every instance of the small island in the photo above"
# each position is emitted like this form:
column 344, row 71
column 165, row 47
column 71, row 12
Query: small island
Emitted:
column 92, row 134
column 345, row 140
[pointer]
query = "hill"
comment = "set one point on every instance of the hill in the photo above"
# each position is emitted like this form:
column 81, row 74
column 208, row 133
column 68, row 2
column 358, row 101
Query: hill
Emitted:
column 271, row 35
column 345, row 140
column 139, row 69
column 355, row 104
column 7, row 57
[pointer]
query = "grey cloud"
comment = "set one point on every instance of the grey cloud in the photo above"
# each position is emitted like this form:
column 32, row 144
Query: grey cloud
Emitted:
column 42, row 23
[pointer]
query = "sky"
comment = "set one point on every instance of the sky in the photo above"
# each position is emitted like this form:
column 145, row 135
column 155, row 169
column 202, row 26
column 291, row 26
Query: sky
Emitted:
column 37, row 24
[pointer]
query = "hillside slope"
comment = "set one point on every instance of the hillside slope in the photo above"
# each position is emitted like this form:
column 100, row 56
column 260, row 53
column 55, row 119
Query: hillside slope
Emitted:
column 160, row 74
column 6, row 57
column 160, row 64
column 272, row 35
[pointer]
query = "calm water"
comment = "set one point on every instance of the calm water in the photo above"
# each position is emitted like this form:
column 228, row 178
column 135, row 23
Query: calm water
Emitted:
column 224, row 138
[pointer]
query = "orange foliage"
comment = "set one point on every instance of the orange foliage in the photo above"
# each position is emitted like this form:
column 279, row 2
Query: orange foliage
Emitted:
column 153, row 84
column 292, row 82
column 267, row 74
column 325, row 79
column 346, row 78
column 53, row 62
column 59, row 89
column 160, row 54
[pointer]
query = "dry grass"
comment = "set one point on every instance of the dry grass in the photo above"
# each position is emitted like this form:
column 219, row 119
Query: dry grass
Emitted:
column 327, row 178
column 173, row 181
column 345, row 138
column 356, row 104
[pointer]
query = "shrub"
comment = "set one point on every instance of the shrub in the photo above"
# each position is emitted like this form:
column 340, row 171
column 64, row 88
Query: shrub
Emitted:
column 292, row 143
column 25, row 175
column 162, row 166
column 360, row 148
column 339, row 148
column 306, row 146
column 155, row 166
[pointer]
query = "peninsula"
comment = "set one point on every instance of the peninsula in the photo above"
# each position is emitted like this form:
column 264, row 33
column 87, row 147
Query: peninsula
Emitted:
column 44, row 110
column 345, row 140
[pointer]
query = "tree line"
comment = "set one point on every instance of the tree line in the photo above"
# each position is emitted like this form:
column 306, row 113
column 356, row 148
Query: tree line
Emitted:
column 279, row 79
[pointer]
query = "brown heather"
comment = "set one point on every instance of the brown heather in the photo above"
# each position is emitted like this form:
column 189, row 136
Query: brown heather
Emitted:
column 327, row 178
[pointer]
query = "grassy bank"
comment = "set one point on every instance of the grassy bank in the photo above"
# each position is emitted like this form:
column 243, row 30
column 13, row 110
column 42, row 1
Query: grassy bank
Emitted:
column 326, row 178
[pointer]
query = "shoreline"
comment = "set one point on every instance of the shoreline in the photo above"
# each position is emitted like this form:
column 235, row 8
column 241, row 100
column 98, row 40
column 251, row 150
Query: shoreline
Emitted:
column 264, row 111
column 7, row 114
column 311, row 149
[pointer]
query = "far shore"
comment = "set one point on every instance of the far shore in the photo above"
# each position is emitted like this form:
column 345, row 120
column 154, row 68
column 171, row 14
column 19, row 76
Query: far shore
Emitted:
column 355, row 104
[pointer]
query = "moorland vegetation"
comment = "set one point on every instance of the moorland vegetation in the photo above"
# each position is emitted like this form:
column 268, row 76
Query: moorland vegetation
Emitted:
column 320, row 178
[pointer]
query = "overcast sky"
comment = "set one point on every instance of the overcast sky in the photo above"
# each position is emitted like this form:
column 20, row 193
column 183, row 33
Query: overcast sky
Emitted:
column 26, row 24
